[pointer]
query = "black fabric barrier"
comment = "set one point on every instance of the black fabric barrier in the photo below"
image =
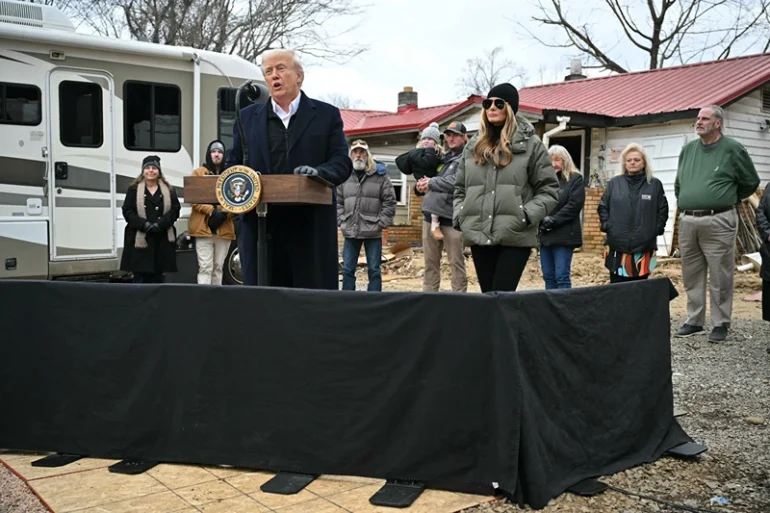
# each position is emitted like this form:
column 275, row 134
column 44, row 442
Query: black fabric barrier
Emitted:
column 524, row 393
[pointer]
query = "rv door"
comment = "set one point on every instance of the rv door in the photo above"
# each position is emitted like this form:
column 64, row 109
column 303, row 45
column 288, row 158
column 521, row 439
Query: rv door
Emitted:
column 81, row 176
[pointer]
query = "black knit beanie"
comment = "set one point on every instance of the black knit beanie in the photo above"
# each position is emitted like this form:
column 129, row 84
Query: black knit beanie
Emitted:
column 151, row 160
column 508, row 93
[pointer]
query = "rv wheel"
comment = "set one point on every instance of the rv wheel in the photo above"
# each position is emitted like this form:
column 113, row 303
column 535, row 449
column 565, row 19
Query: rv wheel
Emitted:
column 231, row 272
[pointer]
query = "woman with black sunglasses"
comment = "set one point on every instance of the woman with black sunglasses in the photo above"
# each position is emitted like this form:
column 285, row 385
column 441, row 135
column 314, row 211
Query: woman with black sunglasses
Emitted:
column 505, row 186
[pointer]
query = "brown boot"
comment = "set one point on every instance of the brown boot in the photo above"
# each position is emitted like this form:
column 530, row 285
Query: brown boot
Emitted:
column 436, row 233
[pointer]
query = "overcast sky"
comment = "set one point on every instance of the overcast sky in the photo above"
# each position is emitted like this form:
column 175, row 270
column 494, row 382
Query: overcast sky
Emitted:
column 427, row 49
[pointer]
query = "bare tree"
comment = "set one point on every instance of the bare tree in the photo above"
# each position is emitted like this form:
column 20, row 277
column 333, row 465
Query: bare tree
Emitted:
column 667, row 31
column 243, row 27
column 342, row 101
column 482, row 73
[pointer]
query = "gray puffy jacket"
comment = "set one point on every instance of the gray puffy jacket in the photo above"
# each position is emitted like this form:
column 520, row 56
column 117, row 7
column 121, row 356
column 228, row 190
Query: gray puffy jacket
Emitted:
column 365, row 208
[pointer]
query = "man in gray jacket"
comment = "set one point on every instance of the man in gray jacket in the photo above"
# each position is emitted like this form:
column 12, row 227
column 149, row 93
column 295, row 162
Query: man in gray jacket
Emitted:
column 438, row 200
column 366, row 204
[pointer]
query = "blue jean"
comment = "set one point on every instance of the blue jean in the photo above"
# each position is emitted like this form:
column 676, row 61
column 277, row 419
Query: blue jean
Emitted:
column 556, row 262
column 350, row 251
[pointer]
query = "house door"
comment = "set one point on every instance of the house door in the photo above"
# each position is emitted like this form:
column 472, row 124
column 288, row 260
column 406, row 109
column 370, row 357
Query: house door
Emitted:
column 81, row 175
column 664, row 155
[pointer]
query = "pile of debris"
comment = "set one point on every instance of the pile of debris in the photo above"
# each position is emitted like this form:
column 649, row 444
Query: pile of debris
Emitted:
column 748, row 241
column 396, row 260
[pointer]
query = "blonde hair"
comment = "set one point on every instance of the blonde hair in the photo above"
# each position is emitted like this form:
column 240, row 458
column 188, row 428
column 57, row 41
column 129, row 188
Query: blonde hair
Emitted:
column 498, row 151
column 440, row 150
column 640, row 150
column 296, row 62
column 568, row 165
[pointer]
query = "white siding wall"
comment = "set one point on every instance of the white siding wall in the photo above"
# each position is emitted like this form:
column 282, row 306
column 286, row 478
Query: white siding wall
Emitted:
column 662, row 143
column 742, row 121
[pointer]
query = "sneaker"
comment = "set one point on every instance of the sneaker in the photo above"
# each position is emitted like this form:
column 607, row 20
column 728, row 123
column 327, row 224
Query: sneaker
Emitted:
column 436, row 232
column 718, row 334
column 687, row 330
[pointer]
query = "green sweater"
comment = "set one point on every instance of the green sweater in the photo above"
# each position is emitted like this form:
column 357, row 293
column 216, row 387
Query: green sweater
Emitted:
column 714, row 177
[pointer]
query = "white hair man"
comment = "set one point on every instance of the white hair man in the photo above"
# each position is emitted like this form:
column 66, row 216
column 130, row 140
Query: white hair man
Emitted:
column 714, row 174
column 366, row 205
column 292, row 133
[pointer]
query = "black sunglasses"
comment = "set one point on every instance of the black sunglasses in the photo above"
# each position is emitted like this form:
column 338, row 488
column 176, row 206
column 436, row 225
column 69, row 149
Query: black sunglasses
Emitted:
column 499, row 103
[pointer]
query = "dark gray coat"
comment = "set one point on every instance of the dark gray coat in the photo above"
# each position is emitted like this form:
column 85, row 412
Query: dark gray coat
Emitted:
column 633, row 213
column 439, row 200
column 365, row 208
column 566, row 230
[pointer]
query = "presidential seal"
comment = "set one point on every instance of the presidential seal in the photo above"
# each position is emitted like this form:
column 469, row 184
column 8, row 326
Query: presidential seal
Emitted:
column 239, row 189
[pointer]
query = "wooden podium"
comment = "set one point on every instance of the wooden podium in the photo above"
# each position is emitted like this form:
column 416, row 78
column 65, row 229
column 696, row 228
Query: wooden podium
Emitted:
column 276, row 189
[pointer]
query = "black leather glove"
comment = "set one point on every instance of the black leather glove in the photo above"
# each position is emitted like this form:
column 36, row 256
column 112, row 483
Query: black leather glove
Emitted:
column 154, row 228
column 216, row 219
column 146, row 227
column 548, row 222
column 306, row 170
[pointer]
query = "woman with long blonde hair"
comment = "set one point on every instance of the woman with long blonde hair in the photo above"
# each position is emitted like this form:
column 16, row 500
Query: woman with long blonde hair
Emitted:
column 505, row 186
column 560, row 230
column 633, row 212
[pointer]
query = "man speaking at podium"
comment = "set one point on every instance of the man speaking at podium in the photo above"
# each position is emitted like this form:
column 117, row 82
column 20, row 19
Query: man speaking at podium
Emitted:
column 292, row 133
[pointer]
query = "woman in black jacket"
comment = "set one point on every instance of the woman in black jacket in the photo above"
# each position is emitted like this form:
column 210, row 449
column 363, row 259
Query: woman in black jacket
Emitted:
column 150, row 209
column 763, row 225
column 633, row 211
column 560, row 230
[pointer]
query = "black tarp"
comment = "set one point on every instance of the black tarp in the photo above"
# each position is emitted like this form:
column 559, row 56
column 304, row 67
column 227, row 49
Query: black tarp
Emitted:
column 533, row 391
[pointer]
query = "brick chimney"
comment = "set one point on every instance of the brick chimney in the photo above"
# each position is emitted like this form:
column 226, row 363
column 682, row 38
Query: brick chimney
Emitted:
column 407, row 100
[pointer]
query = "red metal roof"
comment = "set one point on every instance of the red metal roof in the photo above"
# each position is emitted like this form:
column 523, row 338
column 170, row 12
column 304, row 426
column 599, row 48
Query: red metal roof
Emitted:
column 367, row 122
column 665, row 90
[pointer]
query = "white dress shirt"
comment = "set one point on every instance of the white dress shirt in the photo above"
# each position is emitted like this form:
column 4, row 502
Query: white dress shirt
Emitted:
column 286, row 116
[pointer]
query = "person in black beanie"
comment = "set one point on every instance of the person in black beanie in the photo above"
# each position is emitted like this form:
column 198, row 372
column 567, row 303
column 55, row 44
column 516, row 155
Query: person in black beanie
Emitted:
column 151, row 208
column 505, row 186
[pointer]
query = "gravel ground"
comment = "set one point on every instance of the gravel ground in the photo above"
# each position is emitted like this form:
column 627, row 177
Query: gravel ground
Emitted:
column 15, row 497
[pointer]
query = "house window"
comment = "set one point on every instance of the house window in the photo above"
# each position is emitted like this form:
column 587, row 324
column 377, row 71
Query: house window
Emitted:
column 764, row 97
column 80, row 114
column 399, row 181
column 19, row 104
column 153, row 117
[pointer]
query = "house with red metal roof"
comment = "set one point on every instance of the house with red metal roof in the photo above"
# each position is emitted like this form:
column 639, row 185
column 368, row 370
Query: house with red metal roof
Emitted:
column 595, row 118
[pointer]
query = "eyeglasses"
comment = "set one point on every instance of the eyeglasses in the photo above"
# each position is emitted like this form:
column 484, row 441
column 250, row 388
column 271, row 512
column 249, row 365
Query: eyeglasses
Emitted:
column 498, row 102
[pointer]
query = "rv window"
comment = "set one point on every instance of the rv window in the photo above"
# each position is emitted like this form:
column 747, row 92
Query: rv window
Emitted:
column 19, row 104
column 152, row 114
column 80, row 114
column 226, row 114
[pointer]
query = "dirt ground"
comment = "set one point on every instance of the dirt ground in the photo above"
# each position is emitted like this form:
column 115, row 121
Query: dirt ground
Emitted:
column 587, row 269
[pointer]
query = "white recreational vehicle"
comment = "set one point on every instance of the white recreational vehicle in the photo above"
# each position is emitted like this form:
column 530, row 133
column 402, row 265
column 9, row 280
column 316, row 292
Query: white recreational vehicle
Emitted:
column 78, row 113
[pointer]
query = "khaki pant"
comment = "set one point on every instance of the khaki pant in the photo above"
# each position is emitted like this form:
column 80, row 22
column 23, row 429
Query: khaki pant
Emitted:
column 453, row 243
column 211, row 252
column 707, row 245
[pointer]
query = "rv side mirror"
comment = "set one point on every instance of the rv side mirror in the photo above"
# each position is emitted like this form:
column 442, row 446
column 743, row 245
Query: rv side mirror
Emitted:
column 60, row 170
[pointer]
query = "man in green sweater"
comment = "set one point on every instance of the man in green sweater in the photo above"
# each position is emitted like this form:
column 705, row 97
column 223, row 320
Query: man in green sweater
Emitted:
column 715, row 173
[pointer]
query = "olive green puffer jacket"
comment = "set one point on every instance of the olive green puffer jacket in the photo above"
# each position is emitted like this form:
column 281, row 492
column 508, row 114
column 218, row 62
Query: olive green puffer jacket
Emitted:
column 504, row 206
